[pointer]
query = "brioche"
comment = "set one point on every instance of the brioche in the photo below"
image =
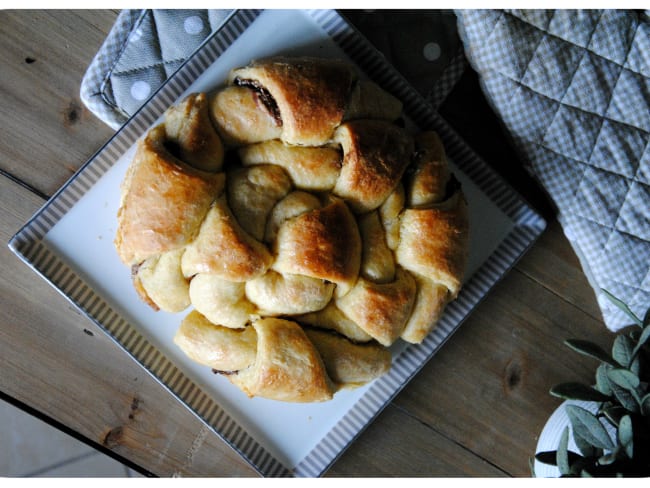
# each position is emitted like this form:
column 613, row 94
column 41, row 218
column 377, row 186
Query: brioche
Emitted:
column 303, row 229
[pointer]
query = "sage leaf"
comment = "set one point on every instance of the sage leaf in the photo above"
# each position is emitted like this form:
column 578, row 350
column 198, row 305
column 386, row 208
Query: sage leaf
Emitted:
column 614, row 414
column 547, row 457
column 625, row 398
column 625, row 435
column 585, row 447
column 645, row 405
column 623, row 307
column 645, row 336
column 563, row 453
column 602, row 380
column 578, row 391
column 587, row 425
column 624, row 378
column 622, row 350
column 590, row 349
column 609, row 458
column 550, row 457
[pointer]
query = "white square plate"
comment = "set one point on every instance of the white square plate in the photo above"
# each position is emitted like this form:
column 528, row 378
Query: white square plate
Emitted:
column 69, row 242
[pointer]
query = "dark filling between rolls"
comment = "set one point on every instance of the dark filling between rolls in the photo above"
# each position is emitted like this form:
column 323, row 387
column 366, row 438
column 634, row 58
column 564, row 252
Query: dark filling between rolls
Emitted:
column 452, row 186
column 264, row 96
column 225, row 373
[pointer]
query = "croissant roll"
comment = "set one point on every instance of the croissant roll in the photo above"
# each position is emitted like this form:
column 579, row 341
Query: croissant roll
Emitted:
column 428, row 181
column 287, row 366
column 377, row 261
column 308, row 95
column 278, row 294
column 430, row 301
column 221, row 301
column 369, row 101
column 331, row 318
column 252, row 194
column 380, row 309
column 241, row 117
column 160, row 282
column 375, row 156
column 442, row 256
column 294, row 204
column 350, row 365
column 224, row 248
column 163, row 201
column 389, row 213
column 221, row 348
column 310, row 168
column 191, row 134
column 323, row 243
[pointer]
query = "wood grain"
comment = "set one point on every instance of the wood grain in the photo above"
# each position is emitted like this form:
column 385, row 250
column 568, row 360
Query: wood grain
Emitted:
column 475, row 409
column 47, row 132
column 58, row 362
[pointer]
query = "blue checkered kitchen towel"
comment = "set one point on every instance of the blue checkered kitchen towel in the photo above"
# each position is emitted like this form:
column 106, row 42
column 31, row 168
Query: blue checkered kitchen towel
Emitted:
column 573, row 91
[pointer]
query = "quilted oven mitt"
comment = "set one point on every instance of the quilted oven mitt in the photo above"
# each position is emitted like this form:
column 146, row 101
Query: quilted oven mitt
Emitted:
column 572, row 89
column 145, row 47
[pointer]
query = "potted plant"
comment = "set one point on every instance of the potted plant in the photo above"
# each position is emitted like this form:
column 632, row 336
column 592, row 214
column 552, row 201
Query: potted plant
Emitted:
column 608, row 422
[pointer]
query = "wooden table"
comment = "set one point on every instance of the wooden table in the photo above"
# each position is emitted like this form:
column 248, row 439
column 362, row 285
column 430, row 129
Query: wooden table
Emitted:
column 476, row 409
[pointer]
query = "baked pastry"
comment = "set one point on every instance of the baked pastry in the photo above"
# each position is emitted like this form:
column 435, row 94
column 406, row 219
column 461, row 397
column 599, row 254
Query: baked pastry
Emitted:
column 304, row 228
column 304, row 100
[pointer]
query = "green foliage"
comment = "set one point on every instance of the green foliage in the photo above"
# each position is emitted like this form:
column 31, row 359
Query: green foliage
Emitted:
column 622, row 396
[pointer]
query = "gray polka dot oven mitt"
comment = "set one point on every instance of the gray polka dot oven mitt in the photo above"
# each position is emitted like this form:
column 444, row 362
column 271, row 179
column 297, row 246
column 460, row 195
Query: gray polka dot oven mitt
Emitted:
column 142, row 50
column 572, row 88
column 145, row 47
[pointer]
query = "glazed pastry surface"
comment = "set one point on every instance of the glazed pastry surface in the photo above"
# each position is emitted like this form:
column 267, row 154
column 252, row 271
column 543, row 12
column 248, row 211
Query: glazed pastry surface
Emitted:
column 301, row 227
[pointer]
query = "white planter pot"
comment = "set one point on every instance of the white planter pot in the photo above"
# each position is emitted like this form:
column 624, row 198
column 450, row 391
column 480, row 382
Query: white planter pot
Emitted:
column 549, row 438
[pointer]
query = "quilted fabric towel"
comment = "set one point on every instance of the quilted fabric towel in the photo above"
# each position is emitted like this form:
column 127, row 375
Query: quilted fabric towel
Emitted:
column 573, row 91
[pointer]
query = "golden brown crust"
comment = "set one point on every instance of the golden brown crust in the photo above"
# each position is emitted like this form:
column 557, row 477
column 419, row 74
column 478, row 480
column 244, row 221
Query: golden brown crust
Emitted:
column 311, row 94
column 375, row 156
column 160, row 282
column 369, row 101
column 380, row 309
column 221, row 301
column 223, row 248
column 323, row 243
column 287, row 366
column 427, row 183
column 190, row 132
column 241, row 118
column 294, row 204
column 221, row 348
column 252, row 194
column 430, row 301
column 288, row 294
column 377, row 261
column 434, row 242
column 332, row 318
column 389, row 213
column 361, row 239
column 163, row 201
column 350, row 365
column 310, row 168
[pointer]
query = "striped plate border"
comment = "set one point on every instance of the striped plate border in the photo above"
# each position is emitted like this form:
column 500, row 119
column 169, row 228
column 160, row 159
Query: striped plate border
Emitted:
column 28, row 246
